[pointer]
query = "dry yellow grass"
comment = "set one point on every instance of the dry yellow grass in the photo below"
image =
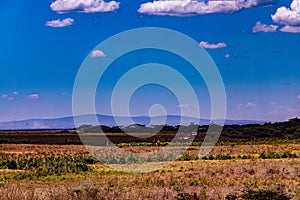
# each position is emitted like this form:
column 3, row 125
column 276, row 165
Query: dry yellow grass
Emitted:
column 208, row 179
column 37, row 150
column 32, row 149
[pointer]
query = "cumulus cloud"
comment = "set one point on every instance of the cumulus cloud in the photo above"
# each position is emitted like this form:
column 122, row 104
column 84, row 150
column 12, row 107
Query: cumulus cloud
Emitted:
column 288, row 16
column 290, row 29
column 15, row 93
column 195, row 7
column 33, row 96
column 85, row 6
column 298, row 97
column 60, row 23
column 208, row 45
column 260, row 27
column 6, row 97
column 97, row 53
column 227, row 55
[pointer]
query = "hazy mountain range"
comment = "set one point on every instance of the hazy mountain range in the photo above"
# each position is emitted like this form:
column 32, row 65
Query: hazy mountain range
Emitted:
column 68, row 122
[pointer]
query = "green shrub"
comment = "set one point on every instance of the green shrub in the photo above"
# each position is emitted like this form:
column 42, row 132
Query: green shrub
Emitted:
column 186, row 196
column 272, row 155
column 264, row 195
column 187, row 157
column 261, row 194
column 231, row 197
column 51, row 165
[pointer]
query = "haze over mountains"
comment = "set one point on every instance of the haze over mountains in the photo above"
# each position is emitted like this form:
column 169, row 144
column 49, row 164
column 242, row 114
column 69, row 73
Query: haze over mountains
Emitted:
column 68, row 122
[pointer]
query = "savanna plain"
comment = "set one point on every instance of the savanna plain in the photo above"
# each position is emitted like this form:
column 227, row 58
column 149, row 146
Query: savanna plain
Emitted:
column 264, row 170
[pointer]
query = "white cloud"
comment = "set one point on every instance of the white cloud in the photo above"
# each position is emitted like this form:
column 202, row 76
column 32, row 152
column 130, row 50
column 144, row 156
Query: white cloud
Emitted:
column 7, row 97
column 183, row 105
column 227, row 55
column 33, row 96
column 4, row 96
column 15, row 93
column 298, row 97
column 60, row 23
column 288, row 16
column 97, row 53
column 208, row 45
column 85, row 6
column 195, row 7
column 260, row 27
column 290, row 29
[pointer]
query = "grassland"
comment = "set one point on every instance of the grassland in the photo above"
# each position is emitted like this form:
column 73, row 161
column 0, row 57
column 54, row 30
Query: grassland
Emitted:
column 69, row 172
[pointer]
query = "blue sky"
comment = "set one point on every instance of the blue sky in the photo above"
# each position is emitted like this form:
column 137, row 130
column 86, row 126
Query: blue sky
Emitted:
column 255, row 45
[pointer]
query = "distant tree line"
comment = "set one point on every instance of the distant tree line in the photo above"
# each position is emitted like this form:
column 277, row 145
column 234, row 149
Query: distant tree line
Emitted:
column 288, row 129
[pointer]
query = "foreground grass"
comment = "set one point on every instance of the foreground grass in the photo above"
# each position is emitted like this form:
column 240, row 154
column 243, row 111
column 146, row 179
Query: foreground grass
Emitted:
column 205, row 179
column 208, row 179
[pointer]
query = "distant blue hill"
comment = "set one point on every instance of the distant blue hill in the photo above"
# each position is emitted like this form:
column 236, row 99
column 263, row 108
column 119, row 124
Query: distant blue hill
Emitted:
column 68, row 122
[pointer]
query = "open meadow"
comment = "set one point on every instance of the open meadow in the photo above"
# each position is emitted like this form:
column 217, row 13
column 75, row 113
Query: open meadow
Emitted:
column 30, row 171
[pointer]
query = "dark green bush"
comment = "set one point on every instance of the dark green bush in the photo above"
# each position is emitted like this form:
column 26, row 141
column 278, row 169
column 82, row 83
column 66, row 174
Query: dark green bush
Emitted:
column 261, row 194
column 51, row 165
column 231, row 197
column 187, row 157
column 272, row 155
column 264, row 195
column 187, row 196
